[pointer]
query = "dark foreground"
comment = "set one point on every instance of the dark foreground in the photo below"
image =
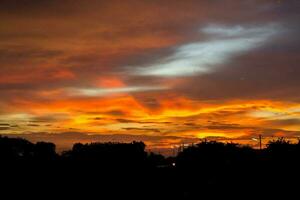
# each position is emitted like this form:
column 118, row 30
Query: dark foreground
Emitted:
column 122, row 171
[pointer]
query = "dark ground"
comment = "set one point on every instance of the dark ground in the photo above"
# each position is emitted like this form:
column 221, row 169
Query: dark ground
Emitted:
column 121, row 171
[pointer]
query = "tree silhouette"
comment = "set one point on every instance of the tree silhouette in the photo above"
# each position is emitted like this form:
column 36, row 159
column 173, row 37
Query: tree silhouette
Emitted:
column 44, row 151
column 15, row 149
column 109, row 154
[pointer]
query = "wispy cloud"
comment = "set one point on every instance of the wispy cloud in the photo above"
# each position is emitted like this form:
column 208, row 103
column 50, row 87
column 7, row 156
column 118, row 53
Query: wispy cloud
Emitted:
column 93, row 92
column 204, row 56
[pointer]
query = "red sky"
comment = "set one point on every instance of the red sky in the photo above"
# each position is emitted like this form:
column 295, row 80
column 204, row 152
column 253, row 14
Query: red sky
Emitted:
column 165, row 72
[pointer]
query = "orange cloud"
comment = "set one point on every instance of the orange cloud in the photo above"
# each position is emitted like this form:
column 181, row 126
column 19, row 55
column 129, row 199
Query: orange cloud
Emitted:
column 110, row 82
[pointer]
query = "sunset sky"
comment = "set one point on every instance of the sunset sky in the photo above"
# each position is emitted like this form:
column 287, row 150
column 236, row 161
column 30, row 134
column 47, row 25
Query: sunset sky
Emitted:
column 162, row 71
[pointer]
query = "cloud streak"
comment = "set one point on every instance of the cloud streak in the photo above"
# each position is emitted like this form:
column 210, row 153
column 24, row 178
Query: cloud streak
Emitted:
column 202, row 57
column 94, row 92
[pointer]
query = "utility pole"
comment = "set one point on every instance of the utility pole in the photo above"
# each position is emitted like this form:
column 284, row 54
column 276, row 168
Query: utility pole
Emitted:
column 174, row 151
column 260, row 142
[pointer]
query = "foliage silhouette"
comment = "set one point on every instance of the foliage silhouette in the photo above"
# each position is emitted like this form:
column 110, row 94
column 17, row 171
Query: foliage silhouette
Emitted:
column 108, row 154
column 127, row 170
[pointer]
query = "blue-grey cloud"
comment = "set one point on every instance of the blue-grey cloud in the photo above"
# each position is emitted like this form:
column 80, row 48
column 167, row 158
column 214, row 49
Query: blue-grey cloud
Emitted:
column 203, row 56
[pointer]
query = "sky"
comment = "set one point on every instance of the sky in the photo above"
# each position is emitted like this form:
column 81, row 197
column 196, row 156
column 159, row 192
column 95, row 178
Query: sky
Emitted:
column 165, row 72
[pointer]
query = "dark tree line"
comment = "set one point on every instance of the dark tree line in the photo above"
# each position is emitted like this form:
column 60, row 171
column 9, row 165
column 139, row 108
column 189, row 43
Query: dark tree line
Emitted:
column 101, row 154
column 126, row 169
